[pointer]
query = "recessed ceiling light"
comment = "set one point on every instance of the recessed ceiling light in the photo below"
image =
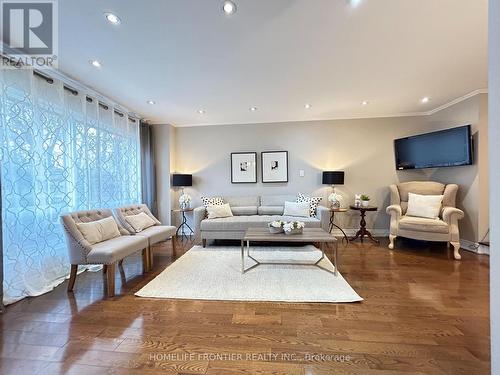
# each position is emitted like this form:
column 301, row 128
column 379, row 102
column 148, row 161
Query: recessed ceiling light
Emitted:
column 229, row 7
column 151, row 102
column 253, row 109
column 112, row 18
column 364, row 102
column 201, row 111
column 425, row 99
column 307, row 106
column 95, row 63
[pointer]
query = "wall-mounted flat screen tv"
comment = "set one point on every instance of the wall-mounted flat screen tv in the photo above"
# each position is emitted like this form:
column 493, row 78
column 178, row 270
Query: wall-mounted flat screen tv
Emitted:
column 444, row 148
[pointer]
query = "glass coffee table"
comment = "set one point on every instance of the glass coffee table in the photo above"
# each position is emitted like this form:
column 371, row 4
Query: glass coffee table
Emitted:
column 314, row 235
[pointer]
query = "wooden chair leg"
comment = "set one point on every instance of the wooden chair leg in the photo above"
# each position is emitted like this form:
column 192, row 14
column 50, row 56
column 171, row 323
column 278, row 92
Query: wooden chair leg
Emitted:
column 174, row 251
column 151, row 258
column 72, row 277
column 145, row 260
column 110, row 280
column 104, row 268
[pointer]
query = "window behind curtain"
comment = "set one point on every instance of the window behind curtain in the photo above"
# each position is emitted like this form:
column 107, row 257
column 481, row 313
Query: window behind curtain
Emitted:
column 60, row 153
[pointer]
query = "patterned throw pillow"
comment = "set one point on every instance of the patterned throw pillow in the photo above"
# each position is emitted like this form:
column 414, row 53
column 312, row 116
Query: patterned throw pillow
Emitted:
column 313, row 202
column 214, row 201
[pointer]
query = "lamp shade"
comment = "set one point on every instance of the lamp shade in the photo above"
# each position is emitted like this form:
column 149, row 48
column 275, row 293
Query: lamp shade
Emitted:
column 182, row 180
column 333, row 178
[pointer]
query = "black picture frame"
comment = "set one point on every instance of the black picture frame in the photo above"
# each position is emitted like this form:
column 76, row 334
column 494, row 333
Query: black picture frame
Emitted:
column 233, row 177
column 263, row 167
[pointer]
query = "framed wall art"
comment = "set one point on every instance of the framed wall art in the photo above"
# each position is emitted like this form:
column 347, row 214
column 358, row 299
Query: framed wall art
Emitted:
column 243, row 167
column 274, row 166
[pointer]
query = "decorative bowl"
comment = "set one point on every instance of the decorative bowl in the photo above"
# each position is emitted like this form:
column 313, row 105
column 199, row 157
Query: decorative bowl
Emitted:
column 274, row 230
column 295, row 231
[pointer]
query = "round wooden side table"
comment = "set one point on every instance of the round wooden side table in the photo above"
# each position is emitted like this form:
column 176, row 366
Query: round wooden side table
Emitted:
column 362, row 232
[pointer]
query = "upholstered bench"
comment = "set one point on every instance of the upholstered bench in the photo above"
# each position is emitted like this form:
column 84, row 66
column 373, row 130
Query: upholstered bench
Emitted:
column 133, row 220
column 95, row 237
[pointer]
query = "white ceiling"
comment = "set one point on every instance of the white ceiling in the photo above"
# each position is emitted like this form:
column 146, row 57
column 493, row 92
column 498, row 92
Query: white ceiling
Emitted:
column 276, row 55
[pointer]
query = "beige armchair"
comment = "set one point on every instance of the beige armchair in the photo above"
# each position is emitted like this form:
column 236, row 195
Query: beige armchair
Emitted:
column 443, row 229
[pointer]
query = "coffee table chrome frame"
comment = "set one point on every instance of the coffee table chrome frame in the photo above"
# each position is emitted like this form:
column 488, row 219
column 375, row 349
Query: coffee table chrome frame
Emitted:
column 259, row 263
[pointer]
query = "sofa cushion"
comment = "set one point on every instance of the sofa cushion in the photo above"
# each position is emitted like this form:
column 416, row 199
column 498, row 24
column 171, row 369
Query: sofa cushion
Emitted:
column 158, row 233
column 241, row 223
column 313, row 202
column 244, row 201
column 110, row 251
column 302, row 209
column 219, row 211
column 244, row 210
column 276, row 200
column 421, row 224
column 271, row 210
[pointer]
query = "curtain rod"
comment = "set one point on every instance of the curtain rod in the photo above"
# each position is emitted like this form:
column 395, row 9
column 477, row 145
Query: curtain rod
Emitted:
column 75, row 92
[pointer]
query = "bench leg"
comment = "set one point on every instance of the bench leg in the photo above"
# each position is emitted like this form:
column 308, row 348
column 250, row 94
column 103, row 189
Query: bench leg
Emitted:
column 110, row 280
column 72, row 277
column 145, row 260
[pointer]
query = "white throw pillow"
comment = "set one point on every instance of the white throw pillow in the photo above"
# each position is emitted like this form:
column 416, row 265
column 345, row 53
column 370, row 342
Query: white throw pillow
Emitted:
column 301, row 209
column 428, row 206
column 219, row 210
column 140, row 221
column 99, row 230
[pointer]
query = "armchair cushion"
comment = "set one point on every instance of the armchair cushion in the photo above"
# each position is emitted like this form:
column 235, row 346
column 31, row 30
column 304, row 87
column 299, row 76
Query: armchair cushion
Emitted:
column 428, row 206
column 158, row 233
column 421, row 224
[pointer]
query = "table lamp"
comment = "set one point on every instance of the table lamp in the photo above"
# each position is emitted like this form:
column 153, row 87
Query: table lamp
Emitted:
column 334, row 178
column 182, row 181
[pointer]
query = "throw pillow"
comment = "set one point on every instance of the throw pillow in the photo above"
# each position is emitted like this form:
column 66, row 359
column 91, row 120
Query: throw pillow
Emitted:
column 99, row 230
column 428, row 206
column 214, row 201
column 300, row 209
column 313, row 202
column 140, row 221
column 219, row 210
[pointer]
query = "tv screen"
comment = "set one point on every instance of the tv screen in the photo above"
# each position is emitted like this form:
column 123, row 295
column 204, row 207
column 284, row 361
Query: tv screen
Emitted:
column 444, row 148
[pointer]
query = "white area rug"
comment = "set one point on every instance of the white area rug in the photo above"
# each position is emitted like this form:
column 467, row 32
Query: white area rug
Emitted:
column 214, row 273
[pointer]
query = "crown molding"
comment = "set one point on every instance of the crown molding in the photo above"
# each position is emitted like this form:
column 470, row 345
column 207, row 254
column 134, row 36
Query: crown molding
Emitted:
column 353, row 117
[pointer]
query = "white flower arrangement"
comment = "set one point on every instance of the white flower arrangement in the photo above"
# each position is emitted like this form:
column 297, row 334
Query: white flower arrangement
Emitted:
column 277, row 224
column 335, row 197
column 184, row 200
column 293, row 227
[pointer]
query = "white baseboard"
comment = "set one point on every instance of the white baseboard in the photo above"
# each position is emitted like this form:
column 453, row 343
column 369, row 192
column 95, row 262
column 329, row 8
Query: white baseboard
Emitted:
column 474, row 247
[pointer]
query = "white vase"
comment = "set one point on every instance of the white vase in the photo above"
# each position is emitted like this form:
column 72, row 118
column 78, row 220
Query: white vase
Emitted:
column 365, row 203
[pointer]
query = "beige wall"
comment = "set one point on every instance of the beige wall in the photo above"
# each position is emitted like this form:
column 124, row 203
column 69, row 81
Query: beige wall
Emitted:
column 362, row 148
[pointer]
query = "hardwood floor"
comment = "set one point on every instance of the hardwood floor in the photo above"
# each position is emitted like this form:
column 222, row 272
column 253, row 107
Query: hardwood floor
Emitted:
column 423, row 313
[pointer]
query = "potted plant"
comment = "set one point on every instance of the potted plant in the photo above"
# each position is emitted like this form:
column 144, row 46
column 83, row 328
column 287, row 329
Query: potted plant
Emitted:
column 293, row 227
column 365, row 200
column 276, row 226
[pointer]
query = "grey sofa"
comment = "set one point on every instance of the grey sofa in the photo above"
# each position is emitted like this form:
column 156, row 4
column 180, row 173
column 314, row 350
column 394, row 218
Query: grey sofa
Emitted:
column 155, row 234
column 108, row 252
column 251, row 212
column 443, row 229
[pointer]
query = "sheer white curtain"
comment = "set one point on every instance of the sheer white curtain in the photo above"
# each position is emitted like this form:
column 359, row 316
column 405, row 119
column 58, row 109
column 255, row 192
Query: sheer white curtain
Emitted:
column 60, row 152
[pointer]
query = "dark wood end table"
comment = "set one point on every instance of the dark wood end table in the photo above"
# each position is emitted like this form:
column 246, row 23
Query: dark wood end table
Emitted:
column 362, row 232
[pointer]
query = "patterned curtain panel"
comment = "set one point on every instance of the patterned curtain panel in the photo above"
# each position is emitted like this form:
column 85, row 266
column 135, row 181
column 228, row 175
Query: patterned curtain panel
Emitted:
column 60, row 152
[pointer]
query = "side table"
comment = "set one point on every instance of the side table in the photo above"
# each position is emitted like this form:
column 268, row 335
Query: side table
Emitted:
column 362, row 232
column 184, row 223
column 332, row 222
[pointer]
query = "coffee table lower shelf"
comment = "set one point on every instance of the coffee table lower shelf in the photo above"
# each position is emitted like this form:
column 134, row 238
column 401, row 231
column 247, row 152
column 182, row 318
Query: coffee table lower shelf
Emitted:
column 309, row 235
